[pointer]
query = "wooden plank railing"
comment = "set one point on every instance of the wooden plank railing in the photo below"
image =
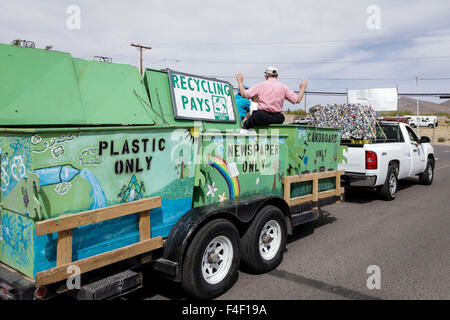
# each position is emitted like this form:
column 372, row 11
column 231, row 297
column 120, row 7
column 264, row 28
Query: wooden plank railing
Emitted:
column 315, row 195
column 64, row 225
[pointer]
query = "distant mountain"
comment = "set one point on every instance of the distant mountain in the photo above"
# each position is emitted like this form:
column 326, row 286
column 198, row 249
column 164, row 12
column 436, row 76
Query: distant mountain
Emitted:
column 410, row 104
column 446, row 103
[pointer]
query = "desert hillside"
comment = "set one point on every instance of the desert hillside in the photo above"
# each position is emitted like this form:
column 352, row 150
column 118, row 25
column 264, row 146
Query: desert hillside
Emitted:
column 410, row 104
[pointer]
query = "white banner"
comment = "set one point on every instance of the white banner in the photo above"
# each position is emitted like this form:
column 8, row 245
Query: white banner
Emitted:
column 384, row 99
column 200, row 98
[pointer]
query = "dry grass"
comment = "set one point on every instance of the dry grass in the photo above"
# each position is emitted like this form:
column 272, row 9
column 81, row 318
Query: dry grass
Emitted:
column 442, row 131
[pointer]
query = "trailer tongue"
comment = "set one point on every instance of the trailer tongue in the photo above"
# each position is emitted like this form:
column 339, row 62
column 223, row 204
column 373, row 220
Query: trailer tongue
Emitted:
column 103, row 172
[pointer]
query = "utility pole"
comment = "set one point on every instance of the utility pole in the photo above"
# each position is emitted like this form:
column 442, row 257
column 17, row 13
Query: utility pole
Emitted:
column 417, row 100
column 141, row 47
column 398, row 111
column 305, row 102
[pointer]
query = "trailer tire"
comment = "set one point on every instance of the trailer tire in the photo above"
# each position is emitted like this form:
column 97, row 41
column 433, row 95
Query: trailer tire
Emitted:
column 268, row 228
column 427, row 176
column 390, row 187
column 212, row 260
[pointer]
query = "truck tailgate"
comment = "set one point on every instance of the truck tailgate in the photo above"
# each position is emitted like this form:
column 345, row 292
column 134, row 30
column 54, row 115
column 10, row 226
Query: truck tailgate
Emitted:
column 356, row 159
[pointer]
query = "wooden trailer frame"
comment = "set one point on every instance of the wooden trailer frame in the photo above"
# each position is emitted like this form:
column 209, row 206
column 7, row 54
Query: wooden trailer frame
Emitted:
column 315, row 195
column 65, row 224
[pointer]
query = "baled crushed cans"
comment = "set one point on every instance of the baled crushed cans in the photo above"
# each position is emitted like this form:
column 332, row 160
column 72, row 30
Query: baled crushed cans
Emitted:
column 355, row 121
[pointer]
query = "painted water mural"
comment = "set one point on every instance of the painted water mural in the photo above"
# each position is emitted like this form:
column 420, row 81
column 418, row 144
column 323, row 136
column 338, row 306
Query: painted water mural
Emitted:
column 80, row 171
column 64, row 174
column 47, row 174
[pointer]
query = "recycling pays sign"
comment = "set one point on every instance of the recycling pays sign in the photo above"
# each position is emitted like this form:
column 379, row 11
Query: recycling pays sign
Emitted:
column 199, row 98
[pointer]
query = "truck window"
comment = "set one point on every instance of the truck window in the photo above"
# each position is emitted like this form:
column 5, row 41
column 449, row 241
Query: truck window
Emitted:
column 412, row 135
column 392, row 132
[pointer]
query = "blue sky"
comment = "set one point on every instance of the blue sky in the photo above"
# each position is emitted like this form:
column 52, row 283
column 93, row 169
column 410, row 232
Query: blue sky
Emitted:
column 318, row 40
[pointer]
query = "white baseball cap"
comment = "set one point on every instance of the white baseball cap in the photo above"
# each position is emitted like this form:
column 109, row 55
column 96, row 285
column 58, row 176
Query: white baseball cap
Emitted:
column 271, row 71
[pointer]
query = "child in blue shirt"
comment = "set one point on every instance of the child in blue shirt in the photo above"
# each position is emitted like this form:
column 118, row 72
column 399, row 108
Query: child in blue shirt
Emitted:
column 242, row 104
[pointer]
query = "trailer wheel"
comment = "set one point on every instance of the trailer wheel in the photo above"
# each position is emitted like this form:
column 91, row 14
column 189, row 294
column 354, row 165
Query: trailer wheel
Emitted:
column 212, row 260
column 426, row 177
column 389, row 190
column 264, row 242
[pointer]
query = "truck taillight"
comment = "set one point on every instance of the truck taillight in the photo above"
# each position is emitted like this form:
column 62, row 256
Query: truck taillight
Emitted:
column 371, row 160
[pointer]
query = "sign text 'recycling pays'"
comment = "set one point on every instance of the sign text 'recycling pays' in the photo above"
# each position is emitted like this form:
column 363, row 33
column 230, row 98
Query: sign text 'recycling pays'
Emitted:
column 200, row 98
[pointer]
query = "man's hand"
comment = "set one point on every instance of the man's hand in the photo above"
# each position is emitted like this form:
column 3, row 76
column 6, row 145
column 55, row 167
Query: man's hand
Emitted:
column 239, row 77
column 303, row 84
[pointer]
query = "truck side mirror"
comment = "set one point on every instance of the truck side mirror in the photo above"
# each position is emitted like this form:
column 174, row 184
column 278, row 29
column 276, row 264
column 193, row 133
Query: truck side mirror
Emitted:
column 425, row 139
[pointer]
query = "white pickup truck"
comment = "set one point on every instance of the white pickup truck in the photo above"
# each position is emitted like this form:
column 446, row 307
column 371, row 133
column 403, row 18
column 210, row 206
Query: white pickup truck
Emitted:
column 396, row 153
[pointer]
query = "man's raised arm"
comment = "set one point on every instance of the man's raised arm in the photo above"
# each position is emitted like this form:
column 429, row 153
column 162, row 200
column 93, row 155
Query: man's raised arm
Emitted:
column 303, row 86
column 240, row 80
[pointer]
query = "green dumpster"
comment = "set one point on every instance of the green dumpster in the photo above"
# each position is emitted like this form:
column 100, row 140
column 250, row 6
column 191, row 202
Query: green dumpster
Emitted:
column 79, row 135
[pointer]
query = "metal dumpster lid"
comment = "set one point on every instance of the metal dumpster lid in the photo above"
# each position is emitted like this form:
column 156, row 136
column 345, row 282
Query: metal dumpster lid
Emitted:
column 47, row 88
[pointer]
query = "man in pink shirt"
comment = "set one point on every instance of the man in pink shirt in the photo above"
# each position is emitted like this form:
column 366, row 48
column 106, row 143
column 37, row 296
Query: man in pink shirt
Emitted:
column 271, row 94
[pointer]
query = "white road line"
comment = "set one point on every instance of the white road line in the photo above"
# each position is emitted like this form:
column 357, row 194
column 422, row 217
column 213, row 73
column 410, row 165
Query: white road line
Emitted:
column 443, row 167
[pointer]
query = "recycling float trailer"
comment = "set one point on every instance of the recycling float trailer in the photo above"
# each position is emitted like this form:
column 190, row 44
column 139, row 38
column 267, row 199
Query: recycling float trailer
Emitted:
column 98, row 166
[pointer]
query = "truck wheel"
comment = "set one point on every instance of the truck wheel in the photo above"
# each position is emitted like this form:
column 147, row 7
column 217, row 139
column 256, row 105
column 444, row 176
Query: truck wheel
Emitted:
column 264, row 242
column 427, row 176
column 389, row 190
column 212, row 260
column 412, row 125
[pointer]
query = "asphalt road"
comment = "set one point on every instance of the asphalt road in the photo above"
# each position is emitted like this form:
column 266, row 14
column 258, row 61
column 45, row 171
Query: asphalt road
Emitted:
column 408, row 239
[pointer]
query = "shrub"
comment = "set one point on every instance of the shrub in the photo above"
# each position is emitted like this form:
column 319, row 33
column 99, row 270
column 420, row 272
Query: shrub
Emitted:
column 398, row 112
column 438, row 114
column 298, row 112
column 441, row 139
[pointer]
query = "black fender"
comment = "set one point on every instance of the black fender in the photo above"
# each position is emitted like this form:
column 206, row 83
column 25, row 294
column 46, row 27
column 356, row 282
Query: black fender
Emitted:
column 240, row 211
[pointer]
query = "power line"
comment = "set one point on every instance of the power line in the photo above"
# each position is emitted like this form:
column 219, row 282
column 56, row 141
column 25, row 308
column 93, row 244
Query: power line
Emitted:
column 328, row 93
column 335, row 79
column 434, row 79
column 272, row 43
column 264, row 47
column 313, row 62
